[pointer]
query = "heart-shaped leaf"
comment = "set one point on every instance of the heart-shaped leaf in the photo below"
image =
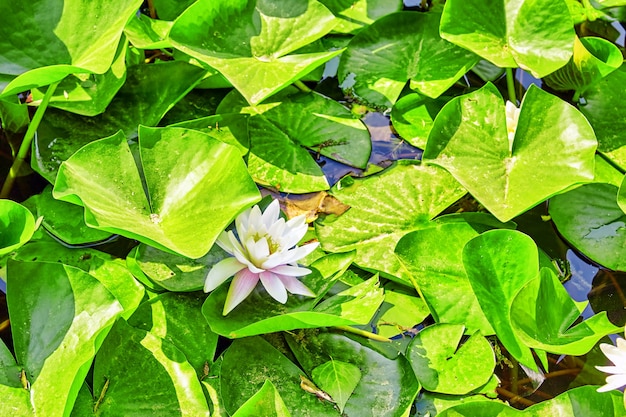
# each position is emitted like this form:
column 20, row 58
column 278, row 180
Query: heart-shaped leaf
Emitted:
column 266, row 402
column 285, row 126
column 252, row 43
column 56, row 354
column 136, row 373
column 593, row 59
column 195, row 186
column 592, row 221
column 79, row 36
column 338, row 379
column 543, row 315
column 385, row 207
column 413, row 115
column 536, row 35
column 499, row 263
column 442, row 367
column 146, row 33
column 397, row 48
column 17, row 226
column 552, row 148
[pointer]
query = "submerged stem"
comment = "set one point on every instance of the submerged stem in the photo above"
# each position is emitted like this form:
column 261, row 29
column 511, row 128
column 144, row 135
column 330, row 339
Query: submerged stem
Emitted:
column 363, row 333
column 510, row 85
column 26, row 142
column 302, row 86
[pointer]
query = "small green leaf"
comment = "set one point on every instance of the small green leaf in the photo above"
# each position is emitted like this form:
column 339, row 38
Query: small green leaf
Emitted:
column 397, row 48
column 543, row 315
column 252, row 43
column 338, row 379
column 590, row 218
column 399, row 312
column 536, row 35
column 441, row 366
column 413, row 115
column 195, row 186
column 146, row 33
column 17, row 226
column 552, row 148
column 355, row 15
column 499, row 263
column 266, row 402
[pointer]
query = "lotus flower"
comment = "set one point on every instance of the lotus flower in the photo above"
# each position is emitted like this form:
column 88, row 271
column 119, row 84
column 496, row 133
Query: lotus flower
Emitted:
column 264, row 249
column 617, row 355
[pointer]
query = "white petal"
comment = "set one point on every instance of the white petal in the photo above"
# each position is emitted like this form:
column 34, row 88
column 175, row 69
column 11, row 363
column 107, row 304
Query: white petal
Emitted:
column 616, row 354
column 258, row 251
column 274, row 286
column 611, row 370
column 613, row 382
column 277, row 230
column 295, row 286
column 290, row 256
column 241, row 287
column 241, row 223
column 220, row 272
column 293, row 271
column 255, row 220
column 223, row 241
column 235, row 245
column 271, row 214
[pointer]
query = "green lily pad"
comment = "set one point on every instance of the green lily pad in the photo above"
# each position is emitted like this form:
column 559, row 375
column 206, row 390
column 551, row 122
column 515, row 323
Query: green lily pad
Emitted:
column 63, row 220
column 441, row 366
column 553, row 147
column 146, row 33
column 592, row 221
column 397, row 48
column 56, row 354
column 286, row 127
column 170, row 9
column 195, row 186
column 387, row 386
column 17, row 226
column 177, row 319
column 578, row 402
column 260, row 314
column 250, row 362
column 89, row 94
column 338, row 379
column 604, row 112
column 512, row 34
column 621, row 195
column 400, row 312
column 437, row 270
column 137, row 373
column 543, row 315
column 413, row 115
column 79, row 37
column 229, row 128
column 356, row 15
column 499, row 263
column 252, row 43
column 266, row 402
column 385, row 207
column 174, row 272
column 593, row 59
column 149, row 92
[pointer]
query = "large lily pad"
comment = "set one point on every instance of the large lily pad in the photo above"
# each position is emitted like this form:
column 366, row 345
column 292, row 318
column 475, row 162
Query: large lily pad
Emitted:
column 149, row 92
column 284, row 129
column 543, row 315
column 385, row 207
column 356, row 15
column 56, row 354
column 397, row 48
column 17, row 226
column 195, row 186
column 499, row 263
column 252, row 42
column 592, row 221
column 441, row 366
column 43, row 41
column 553, row 148
column 137, row 373
column 536, row 35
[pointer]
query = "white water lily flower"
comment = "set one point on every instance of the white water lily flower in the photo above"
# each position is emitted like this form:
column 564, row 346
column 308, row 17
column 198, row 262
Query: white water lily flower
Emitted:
column 617, row 355
column 265, row 249
column 512, row 117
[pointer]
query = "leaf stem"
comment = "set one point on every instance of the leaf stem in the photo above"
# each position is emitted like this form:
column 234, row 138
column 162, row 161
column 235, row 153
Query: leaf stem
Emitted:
column 576, row 97
column 363, row 333
column 302, row 86
column 510, row 85
column 26, row 142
